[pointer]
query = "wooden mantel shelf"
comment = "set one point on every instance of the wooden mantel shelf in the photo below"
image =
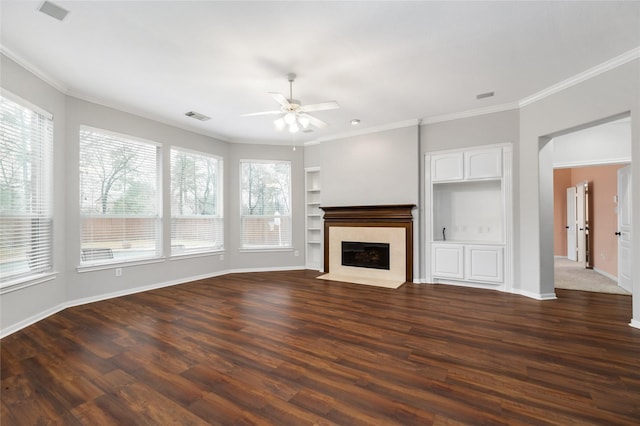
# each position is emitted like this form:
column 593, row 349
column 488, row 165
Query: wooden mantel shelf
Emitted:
column 387, row 215
column 388, row 212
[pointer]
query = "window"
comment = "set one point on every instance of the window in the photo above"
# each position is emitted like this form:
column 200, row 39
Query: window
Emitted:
column 265, row 204
column 196, row 203
column 26, row 222
column 119, row 200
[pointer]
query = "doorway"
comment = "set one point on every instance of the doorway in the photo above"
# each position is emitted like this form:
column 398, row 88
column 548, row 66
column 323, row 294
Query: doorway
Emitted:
column 585, row 178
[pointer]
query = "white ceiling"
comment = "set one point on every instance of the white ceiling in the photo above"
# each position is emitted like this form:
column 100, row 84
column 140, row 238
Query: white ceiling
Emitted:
column 386, row 63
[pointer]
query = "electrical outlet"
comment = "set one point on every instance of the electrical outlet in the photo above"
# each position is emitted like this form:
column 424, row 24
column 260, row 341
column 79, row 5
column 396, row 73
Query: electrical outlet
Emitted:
column 118, row 272
column 222, row 257
column 296, row 253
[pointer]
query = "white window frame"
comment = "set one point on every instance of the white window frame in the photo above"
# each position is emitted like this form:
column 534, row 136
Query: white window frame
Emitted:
column 97, row 264
column 259, row 248
column 45, row 271
column 220, row 203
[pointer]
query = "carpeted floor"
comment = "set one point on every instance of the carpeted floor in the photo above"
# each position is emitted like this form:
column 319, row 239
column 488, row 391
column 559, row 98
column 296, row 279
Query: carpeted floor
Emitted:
column 574, row 276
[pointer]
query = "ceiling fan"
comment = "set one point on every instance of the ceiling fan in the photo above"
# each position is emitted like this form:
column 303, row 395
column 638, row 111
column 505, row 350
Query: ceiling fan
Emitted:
column 292, row 114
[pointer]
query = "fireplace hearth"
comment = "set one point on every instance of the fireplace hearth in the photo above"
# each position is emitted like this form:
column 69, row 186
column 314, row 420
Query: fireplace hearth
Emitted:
column 365, row 255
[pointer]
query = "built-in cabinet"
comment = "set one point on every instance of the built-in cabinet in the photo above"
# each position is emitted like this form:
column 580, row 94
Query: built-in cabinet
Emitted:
column 470, row 216
column 313, row 220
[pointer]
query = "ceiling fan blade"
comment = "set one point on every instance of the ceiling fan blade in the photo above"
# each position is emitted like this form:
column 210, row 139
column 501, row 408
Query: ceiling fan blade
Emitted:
column 316, row 122
column 261, row 113
column 320, row 107
column 280, row 99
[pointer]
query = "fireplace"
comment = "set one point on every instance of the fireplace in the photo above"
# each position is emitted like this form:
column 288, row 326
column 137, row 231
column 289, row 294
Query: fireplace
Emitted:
column 369, row 244
column 365, row 255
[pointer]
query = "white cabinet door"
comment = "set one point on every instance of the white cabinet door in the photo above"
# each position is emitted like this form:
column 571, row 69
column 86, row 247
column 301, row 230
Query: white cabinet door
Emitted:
column 484, row 263
column 447, row 167
column 483, row 163
column 447, row 260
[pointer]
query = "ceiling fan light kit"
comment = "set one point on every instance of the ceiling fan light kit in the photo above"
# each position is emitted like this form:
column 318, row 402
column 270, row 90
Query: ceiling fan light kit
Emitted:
column 294, row 116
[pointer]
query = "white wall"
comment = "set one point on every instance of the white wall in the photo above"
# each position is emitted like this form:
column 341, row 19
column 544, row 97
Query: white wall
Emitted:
column 607, row 143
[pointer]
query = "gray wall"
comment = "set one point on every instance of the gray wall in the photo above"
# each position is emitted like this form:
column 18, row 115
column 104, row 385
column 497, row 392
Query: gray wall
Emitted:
column 70, row 286
column 252, row 260
column 609, row 94
column 376, row 168
column 489, row 129
column 17, row 307
column 380, row 168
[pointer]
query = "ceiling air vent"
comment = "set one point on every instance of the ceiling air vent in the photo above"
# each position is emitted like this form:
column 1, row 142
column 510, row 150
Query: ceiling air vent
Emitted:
column 53, row 10
column 484, row 95
column 197, row 116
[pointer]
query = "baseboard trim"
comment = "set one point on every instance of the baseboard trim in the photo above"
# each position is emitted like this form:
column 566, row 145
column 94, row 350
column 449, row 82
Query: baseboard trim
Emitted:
column 635, row 323
column 85, row 300
column 606, row 274
column 532, row 295
column 31, row 320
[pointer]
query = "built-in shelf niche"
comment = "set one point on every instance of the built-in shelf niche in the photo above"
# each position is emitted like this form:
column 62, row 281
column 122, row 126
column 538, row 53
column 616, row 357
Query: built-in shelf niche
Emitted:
column 313, row 220
column 468, row 211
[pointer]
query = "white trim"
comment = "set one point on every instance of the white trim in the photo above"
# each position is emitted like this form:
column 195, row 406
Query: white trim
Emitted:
column 106, row 296
column 583, row 76
column 113, row 265
column 470, row 113
column 266, row 249
column 31, row 320
column 25, row 103
column 270, row 269
column 584, row 163
column 634, row 323
column 537, row 296
column 25, row 282
column 368, row 130
column 185, row 256
column 33, row 69
column 606, row 274
column 118, row 135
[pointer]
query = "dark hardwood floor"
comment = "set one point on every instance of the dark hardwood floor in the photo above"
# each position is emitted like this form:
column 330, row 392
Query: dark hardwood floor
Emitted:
column 284, row 348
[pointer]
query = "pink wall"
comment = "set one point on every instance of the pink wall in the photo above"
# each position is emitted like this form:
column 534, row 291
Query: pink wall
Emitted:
column 561, row 181
column 604, row 221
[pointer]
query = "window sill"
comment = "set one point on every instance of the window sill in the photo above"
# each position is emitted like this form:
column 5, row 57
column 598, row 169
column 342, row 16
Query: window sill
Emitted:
column 24, row 282
column 195, row 255
column 262, row 250
column 113, row 265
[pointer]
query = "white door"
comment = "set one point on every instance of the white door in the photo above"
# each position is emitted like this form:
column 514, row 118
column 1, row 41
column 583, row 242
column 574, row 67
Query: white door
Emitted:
column 571, row 224
column 624, row 228
column 580, row 223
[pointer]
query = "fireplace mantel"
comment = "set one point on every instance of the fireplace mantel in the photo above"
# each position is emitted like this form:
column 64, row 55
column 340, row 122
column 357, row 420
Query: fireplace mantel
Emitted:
column 389, row 215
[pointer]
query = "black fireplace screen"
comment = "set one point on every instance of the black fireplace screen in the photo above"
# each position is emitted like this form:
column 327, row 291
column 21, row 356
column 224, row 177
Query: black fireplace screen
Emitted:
column 365, row 255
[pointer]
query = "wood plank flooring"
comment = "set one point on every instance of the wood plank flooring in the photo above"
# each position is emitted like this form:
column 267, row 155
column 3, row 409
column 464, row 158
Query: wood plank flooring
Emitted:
column 284, row 348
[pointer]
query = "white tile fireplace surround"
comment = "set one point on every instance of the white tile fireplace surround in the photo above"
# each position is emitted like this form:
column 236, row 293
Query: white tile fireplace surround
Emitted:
column 369, row 224
column 394, row 277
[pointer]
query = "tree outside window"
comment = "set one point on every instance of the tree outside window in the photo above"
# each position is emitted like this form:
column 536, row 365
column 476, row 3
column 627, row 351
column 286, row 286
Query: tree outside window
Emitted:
column 265, row 204
column 196, row 202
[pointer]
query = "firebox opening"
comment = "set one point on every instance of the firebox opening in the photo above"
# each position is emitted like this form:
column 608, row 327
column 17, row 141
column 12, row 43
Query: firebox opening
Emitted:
column 365, row 255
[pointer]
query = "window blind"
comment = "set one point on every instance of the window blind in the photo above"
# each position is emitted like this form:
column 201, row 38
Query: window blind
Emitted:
column 265, row 204
column 196, row 203
column 119, row 200
column 26, row 222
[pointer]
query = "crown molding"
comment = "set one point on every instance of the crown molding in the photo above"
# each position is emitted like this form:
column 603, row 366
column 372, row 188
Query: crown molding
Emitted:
column 33, row 70
column 470, row 113
column 366, row 131
column 612, row 63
